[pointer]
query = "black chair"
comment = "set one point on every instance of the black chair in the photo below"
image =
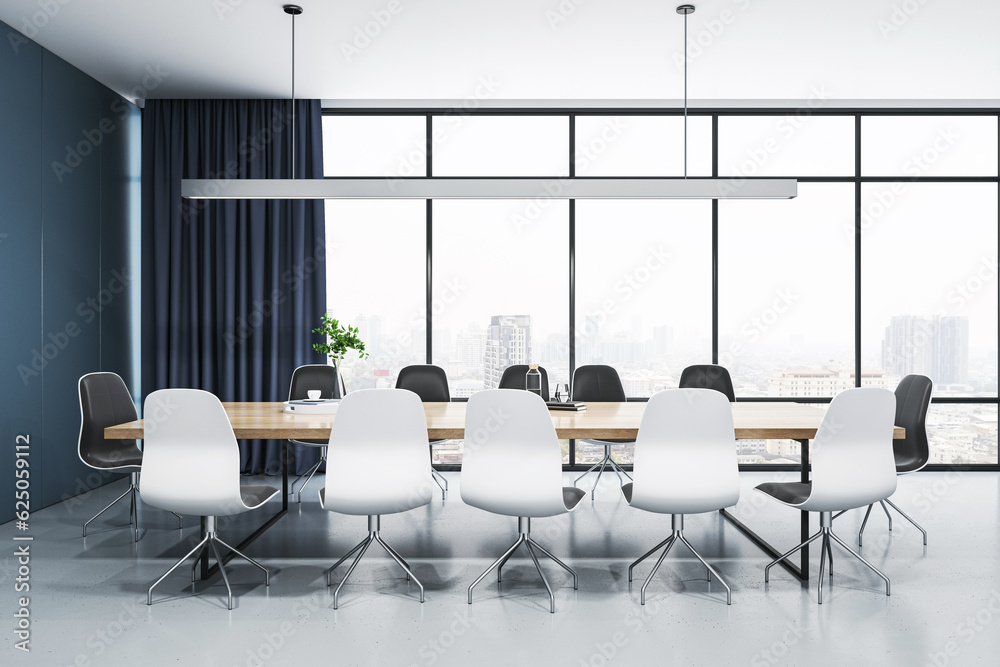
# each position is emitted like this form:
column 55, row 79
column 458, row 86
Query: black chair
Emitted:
column 106, row 401
column 430, row 383
column 600, row 384
column 513, row 378
column 708, row 376
column 913, row 396
column 313, row 377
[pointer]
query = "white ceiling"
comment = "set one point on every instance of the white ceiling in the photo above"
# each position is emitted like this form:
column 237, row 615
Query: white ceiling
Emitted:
column 598, row 50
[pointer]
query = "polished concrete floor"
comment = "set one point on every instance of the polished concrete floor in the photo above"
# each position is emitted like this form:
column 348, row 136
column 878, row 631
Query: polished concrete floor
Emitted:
column 88, row 596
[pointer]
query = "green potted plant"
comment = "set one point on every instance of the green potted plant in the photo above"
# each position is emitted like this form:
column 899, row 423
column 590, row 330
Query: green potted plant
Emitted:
column 338, row 339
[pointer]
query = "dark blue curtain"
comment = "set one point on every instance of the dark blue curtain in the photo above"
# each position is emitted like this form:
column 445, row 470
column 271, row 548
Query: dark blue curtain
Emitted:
column 231, row 288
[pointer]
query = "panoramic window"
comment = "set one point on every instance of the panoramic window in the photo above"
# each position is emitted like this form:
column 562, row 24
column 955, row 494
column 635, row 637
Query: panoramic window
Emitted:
column 925, row 202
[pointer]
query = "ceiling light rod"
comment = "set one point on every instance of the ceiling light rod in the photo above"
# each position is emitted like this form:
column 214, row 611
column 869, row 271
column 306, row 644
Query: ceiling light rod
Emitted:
column 293, row 11
column 685, row 10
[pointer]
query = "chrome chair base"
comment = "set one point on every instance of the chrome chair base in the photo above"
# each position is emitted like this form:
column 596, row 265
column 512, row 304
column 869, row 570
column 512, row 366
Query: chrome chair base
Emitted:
column 615, row 468
column 677, row 534
column 312, row 471
column 524, row 537
column 886, row 510
column 211, row 540
column 133, row 512
column 374, row 522
column 826, row 532
column 441, row 482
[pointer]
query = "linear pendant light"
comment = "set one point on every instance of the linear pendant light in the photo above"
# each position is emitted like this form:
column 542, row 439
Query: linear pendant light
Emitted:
column 490, row 188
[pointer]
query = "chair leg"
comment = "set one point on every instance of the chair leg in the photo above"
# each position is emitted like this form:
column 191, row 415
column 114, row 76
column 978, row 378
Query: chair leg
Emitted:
column 436, row 476
column 497, row 564
column 886, row 510
column 128, row 491
column 597, row 480
column 711, row 570
column 864, row 523
column 829, row 554
column 534, row 558
column 589, row 470
column 617, row 468
column 362, row 547
column 402, row 563
column 197, row 549
column 312, row 471
column 394, row 553
column 603, row 464
column 767, row 569
column 647, row 555
column 500, row 568
column 858, row 556
column 133, row 512
column 440, row 481
column 194, row 565
column 546, row 552
column 887, row 515
column 329, row 570
column 826, row 553
column 267, row 574
column 822, row 562
column 210, row 542
column 905, row 516
column 222, row 569
column 614, row 466
column 524, row 537
column 649, row 578
column 180, row 520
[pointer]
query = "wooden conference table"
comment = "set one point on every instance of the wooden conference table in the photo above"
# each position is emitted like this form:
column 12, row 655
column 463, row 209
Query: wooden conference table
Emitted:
column 600, row 421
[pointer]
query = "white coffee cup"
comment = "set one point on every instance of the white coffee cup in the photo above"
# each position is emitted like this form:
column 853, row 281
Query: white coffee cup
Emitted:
column 314, row 394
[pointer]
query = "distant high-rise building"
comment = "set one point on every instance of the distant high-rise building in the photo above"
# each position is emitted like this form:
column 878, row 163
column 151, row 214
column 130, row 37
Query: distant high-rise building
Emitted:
column 508, row 342
column 663, row 340
column 935, row 346
column 471, row 346
column 371, row 330
column 950, row 358
column 621, row 350
column 587, row 337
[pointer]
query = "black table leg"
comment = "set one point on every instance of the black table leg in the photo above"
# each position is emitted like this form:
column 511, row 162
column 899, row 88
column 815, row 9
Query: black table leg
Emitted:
column 207, row 571
column 804, row 520
column 802, row 572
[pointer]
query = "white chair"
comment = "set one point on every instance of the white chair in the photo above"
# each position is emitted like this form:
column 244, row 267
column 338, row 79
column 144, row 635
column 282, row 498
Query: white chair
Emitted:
column 383, row 432
column 191, row 465
column 852, row 466
column 512, row 465
column 685, row 463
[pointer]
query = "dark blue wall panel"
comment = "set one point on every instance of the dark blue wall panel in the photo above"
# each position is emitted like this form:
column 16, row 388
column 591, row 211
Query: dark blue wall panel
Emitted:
column 71, row 264
column 20, row 264
column 68, row 168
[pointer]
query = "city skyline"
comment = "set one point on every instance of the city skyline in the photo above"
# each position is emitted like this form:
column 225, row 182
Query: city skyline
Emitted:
column 474, row 359
column 654, row 359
